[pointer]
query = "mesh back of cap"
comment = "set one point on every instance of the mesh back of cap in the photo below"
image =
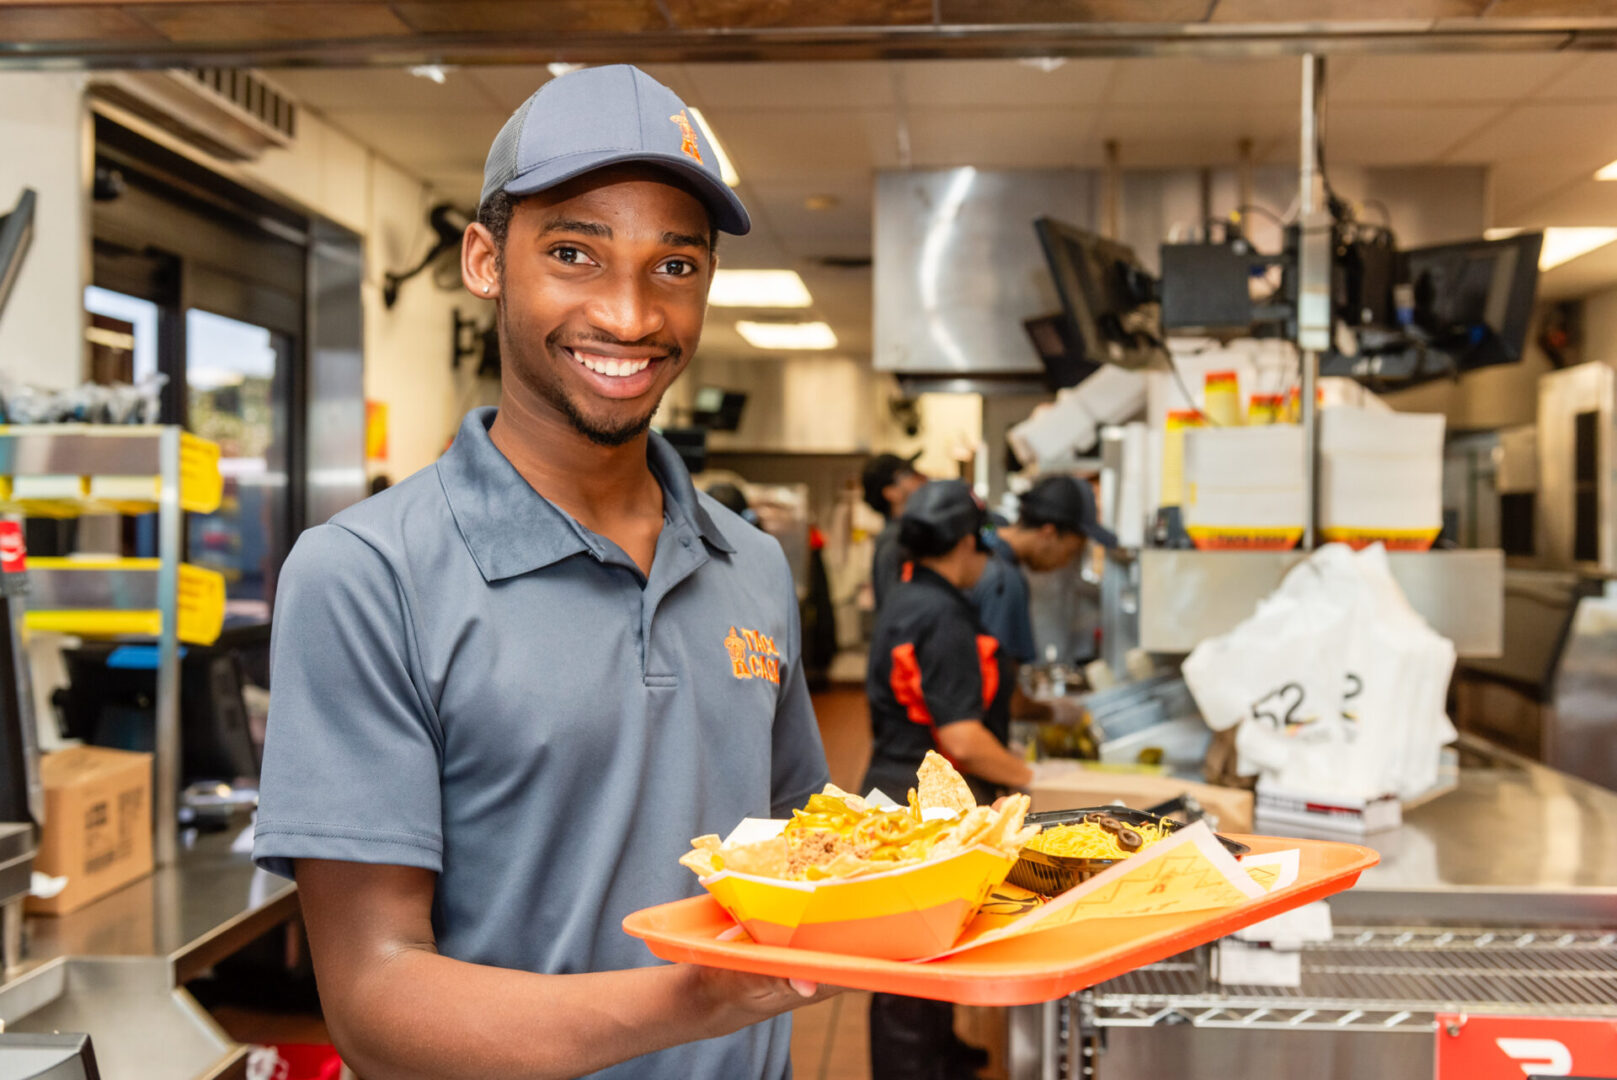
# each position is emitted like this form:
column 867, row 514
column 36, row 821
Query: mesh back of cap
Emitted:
column 501, row 166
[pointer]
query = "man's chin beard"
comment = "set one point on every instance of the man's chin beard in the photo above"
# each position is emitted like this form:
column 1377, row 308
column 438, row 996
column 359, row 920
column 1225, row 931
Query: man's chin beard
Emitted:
column 624, row 431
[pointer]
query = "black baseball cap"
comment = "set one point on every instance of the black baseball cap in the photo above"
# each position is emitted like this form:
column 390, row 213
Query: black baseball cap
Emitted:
column 1067, row 503
column 880, row 471
column 938, row 515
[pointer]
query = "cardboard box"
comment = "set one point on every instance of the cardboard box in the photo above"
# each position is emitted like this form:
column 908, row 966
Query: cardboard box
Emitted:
column 1069, row 789
column 98, row 824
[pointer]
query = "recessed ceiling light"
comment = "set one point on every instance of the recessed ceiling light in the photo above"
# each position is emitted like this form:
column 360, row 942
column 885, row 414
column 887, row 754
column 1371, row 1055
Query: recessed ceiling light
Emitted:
column 559, row 69
column 759, row 289
column 820, row 202
column 1607, row 171
column 726, row 169
column 1564, row 245
column 772, row 335
column 435, row 72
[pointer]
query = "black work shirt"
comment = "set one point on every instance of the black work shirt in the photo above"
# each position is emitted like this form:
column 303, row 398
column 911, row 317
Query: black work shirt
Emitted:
column 886, row 564
column 931, row 665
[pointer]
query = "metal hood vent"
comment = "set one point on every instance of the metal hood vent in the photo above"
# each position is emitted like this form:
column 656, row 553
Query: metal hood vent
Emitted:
column 228, row 113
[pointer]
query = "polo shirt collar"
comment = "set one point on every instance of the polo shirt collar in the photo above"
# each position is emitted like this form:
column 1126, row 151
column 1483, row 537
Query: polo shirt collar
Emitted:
column 510, row 529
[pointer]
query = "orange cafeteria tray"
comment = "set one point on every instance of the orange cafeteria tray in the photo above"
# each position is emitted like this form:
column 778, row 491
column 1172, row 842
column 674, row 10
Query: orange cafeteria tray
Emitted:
column 1022, row 970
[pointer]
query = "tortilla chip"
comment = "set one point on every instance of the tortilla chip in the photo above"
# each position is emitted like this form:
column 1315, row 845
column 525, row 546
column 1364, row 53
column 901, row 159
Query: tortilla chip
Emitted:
column 941, row 787
column 766, row 858
column 854, row 802
column 700, row 857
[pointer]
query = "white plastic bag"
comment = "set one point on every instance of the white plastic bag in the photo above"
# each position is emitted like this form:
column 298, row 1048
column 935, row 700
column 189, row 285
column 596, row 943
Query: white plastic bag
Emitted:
column 1338, row 685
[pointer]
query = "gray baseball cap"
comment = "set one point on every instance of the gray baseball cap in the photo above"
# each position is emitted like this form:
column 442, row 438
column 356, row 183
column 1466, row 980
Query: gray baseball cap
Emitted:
column 594, row 117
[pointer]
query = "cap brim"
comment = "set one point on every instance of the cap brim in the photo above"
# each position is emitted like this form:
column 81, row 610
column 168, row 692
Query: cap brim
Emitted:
column 1103, row 536
column 723, row 204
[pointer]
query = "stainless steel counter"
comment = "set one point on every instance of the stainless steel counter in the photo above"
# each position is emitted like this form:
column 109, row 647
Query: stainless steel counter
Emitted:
column 1516, row 842
column 117, row 967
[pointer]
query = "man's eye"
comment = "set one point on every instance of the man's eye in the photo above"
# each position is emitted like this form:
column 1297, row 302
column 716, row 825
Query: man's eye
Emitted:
column 679, row 267
column 571, row 255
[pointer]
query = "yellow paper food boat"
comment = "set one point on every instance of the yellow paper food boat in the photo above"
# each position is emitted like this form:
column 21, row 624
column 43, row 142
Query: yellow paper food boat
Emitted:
column 902, row 914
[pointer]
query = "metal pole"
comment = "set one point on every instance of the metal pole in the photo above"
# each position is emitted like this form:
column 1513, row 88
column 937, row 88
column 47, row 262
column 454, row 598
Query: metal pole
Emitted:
column 1111, row 191
column 169, row 520
column 1313, row 281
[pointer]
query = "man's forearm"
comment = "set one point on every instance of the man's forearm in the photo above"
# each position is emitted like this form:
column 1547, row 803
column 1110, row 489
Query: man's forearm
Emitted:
column 423, row 1015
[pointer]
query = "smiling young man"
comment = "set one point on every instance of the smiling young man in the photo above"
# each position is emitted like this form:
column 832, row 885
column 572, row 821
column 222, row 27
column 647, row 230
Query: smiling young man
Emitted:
column 506, row 690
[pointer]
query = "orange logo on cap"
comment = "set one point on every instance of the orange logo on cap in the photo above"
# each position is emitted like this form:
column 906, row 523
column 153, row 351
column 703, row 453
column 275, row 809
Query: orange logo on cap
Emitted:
column 764, row 661
column 687, row 145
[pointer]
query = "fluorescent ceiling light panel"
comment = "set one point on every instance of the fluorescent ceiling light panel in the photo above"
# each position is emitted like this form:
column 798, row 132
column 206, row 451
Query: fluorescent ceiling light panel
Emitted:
column 726, row 170
column 1607, row 171
column 771, row 335
column 759, row 289
column 1564, row 245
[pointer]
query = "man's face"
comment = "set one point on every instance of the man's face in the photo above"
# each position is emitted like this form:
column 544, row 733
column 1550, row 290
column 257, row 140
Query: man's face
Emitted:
column 904, row 485
column 602, row 295
column 1054, row 548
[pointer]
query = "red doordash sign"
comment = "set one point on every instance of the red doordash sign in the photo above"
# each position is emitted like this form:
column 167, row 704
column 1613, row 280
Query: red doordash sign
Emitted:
column 1518, row 1047
column 13, row 557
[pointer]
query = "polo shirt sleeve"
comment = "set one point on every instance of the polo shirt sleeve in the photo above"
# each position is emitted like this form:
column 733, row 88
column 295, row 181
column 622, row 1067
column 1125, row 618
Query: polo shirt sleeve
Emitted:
column 948, row 664
column 1003, row 607
column 353, row 750
column 798, row 769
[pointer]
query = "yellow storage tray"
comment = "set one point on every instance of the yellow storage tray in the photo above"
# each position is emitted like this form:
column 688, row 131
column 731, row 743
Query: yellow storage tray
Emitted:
column 118, row 598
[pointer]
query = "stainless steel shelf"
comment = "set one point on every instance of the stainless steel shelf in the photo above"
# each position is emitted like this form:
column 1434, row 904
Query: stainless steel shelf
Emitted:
column 1382, row 979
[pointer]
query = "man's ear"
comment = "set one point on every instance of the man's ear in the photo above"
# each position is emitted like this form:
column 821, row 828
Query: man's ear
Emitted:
column 479, row 262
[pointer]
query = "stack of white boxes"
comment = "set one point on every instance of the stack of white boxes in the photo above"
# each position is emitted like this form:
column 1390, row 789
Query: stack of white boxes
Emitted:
column 1380, row 477
column 1244, row 486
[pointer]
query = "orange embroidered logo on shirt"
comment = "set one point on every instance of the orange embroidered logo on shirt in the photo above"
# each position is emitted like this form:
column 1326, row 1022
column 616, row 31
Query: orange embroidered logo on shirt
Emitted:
column 753, row 655
column 687, row 143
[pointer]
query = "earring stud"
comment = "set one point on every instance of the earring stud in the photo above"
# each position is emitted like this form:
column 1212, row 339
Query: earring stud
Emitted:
column 485, row 290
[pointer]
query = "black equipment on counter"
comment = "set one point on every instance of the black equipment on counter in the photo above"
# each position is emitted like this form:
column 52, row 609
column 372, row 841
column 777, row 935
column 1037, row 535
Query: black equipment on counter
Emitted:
column 16, row 231
column 110, row 701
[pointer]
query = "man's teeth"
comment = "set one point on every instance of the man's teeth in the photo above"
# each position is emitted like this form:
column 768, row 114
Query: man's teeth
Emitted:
column 606, row 365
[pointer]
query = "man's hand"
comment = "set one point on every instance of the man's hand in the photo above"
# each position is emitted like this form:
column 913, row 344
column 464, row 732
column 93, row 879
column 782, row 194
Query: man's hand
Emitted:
column 757, row 997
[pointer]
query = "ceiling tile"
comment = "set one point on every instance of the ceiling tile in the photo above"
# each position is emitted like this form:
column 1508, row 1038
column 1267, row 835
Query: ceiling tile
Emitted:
column 1133, row 125
column 976, row 12
column 1552, row 9
column 777, row 144
column 1433, row 79
column 1177, row 81
column 429, row 142
column 509, row 85
column 759, row 14
column 1399, row 135
column 1555, row 134
column 978, row 83
column 1002, row 138
column 1587, row 78
column 382, row 89
column 848, row 85
column 563, row 16
column 1585, row 202
column 783, row 202
column 20, row 24
column 212, row 22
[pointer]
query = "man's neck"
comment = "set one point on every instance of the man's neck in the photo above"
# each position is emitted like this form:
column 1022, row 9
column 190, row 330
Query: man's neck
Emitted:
column 1018, row 539
column 598, row 485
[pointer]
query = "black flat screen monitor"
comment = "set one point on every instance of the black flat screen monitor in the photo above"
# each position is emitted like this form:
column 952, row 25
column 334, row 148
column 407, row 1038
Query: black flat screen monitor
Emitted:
column 1063, row 359
column 717, row 409
column 1474, row 301
column 16, row 231
column 1107, row 296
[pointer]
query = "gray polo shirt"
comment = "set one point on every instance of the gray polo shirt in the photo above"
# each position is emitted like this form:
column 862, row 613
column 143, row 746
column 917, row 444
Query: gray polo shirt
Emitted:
column 467, row 680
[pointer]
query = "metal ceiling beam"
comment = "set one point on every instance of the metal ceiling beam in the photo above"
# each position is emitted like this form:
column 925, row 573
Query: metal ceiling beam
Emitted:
column 910, row 42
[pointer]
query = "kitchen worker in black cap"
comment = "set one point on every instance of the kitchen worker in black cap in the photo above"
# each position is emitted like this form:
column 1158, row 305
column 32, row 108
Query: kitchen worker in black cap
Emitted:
column 1054, row 519
column 512, row 687
column 937, row 681
column 889, row 480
